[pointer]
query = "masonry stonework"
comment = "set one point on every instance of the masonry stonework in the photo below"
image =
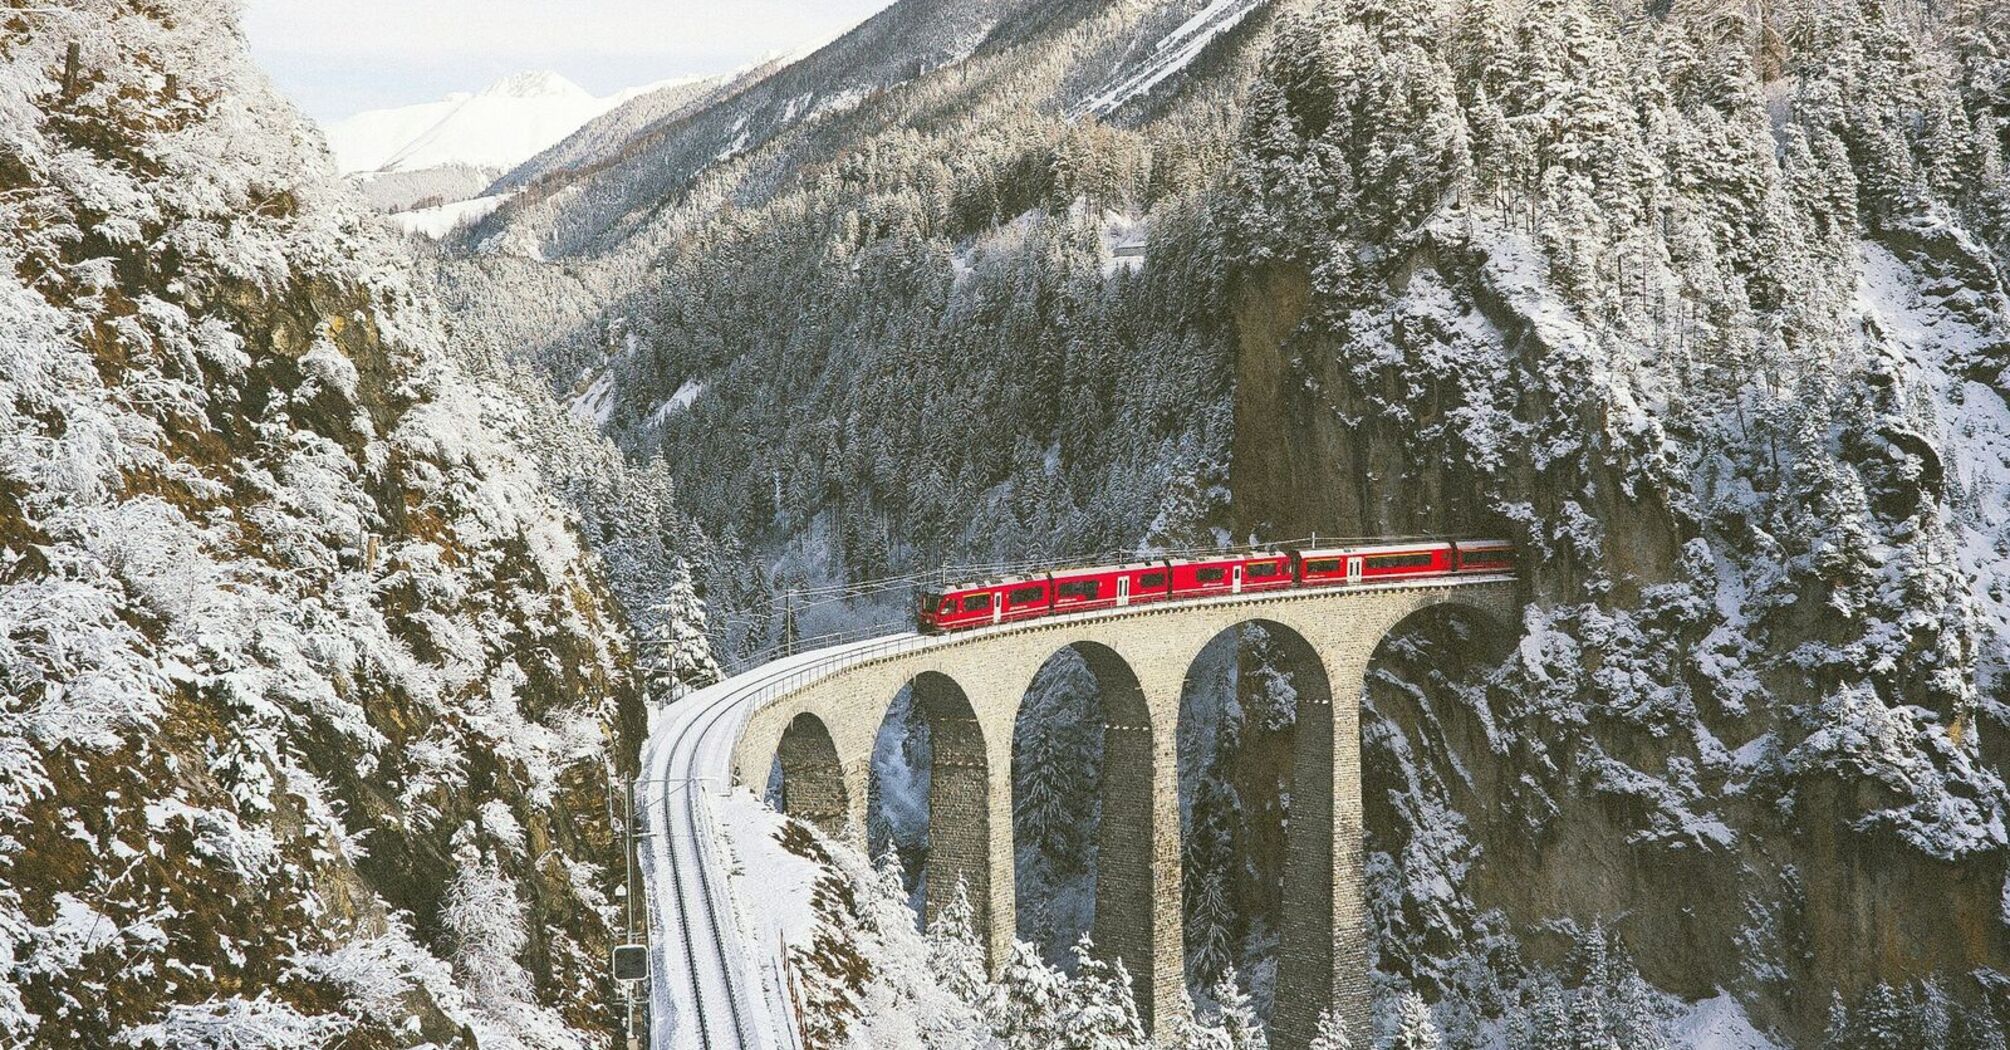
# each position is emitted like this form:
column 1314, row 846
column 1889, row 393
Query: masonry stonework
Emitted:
column 970, row 687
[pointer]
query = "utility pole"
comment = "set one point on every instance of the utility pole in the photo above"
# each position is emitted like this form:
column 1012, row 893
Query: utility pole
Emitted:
column 789, row 633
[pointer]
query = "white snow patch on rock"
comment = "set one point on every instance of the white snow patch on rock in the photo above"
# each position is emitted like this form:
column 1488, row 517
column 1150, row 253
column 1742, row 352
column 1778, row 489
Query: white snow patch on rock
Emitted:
column 436, row 222
column 1719, row 1024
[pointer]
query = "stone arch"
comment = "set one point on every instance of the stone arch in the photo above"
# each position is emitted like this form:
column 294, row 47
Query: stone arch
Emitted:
column 959, row 803
column 1282, row 756
column 812, row 775
column 1129, row 874
column 1323, row 957
column 1456, row 636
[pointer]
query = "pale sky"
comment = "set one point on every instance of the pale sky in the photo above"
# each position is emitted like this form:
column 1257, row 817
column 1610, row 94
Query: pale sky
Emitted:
column 336, row 57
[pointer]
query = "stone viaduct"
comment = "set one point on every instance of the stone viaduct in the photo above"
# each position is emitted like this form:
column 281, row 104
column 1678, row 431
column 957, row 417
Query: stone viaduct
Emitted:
column 969, row 688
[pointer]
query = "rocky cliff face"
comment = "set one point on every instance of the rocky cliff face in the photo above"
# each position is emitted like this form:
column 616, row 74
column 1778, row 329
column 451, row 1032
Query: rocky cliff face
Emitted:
column 309, row 700
column 1720, row 340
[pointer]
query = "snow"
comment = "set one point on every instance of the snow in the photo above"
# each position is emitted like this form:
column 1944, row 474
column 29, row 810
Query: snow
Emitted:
column 1719, row 1023
column 238, row 1024
column 1171, row 54
column 436, row 222
column 685, row 395
column 596, row 403
column 1124, row 240
column 764, row 871
column 1974, row 424
column 499, row 127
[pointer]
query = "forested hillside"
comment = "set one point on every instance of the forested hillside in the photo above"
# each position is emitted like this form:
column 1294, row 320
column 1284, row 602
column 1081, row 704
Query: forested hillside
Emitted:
column 313, row 706
column 1702, row 304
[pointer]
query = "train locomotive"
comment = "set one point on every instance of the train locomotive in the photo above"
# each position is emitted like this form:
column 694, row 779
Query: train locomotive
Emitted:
column 1062, row 591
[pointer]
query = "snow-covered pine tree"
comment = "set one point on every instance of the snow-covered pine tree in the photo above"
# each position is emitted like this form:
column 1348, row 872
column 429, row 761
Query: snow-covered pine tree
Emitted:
column 954, row 953
column 676, row 654
column 1416, row 1030
column 1535, row 1026
column 1975, row 1028
column 1030, row 1002
column 1102, row 1014
column 1041, row 803
column 1235, row 1013
column 1331, row 1034
column 1211, row 944
column 1927, row 1021
column 1877, row 1022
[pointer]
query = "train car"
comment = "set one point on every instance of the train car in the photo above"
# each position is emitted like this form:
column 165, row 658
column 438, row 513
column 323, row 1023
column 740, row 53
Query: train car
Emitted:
column 1325, row 567
column 988, row 602
column 1320, row 567
column 1110, row 587
column 1115, row 586
column 1236, row 574
column 1484, row 556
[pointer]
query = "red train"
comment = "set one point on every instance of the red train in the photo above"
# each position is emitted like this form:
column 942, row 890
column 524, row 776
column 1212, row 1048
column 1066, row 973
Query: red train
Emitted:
column 1172, row 579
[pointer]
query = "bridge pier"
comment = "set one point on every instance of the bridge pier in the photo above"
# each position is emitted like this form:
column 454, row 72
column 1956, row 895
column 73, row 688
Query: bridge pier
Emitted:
column 1139, row 914
column 962, row 841
column 814, row 778
column 1323, row 950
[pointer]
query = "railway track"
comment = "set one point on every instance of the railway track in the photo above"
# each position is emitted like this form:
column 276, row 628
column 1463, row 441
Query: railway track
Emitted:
column 706, row 994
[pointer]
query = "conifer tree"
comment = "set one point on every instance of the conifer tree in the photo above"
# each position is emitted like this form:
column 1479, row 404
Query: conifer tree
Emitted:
column 1415, row 1029
column 1331, row 1033
column 676, row 654
column 1030, row 1006
column 1237, row 1016
column 1103, row 1015
column 954, row 953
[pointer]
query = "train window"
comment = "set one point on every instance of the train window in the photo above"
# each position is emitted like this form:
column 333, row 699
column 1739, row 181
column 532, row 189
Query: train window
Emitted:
column 1082, row 590
column 1399, row 561
column 976, row 602
column 948, row 605
column 1026, row 595
column 1258, row 572
column 1152, row 579
column 1494, row 557
column 1323, row 565
column 1210, row 575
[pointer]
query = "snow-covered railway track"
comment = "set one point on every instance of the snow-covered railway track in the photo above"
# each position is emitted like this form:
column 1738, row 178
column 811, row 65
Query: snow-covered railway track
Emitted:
column 703, row 893
column 706, row 994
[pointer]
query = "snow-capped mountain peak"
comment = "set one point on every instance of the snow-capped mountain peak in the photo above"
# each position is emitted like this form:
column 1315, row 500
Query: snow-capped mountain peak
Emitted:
column 496, row 128
column 534, row 84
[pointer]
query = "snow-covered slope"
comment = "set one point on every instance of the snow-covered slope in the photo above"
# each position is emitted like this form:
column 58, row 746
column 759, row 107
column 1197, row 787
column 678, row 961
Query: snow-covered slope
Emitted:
column 641, row 109
column 309, row 693
column 1169, row 56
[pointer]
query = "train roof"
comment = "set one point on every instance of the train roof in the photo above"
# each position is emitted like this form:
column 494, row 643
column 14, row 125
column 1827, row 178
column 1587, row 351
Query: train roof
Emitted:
column 1219, row 559
column 1093, row 570
column 1007, row 580
column 1378, row 548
